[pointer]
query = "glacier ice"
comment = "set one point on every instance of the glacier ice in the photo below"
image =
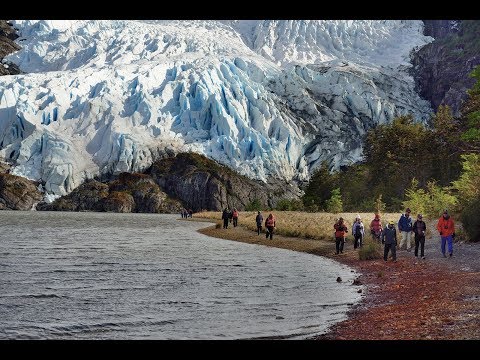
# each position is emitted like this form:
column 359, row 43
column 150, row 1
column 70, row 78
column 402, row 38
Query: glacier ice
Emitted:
column 267, row 98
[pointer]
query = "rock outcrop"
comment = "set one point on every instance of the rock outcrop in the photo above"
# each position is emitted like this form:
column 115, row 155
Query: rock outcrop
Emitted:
column 17, row 193
column 130, row 192
column 441, row 68
column 203, row 184
column 7, row 46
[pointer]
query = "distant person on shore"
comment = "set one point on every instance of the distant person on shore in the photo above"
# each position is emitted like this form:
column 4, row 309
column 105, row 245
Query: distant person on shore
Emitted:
column 446, row 228
column 406, row 229
column 376, row 228
column 259, row 221
column 419, row 229
column 184, row 213
column 190, row 212
column 270, row 224
column 225, row 217
column 235, row 217
column 340, row 231
column 358, row 231
column 389, row 238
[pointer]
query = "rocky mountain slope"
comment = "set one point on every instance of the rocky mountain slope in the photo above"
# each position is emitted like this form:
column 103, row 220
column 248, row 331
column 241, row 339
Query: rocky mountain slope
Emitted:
column 184, row 180
column 441, row 68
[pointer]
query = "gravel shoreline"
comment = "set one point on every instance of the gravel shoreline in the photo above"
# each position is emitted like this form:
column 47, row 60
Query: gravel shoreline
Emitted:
column 412, row 299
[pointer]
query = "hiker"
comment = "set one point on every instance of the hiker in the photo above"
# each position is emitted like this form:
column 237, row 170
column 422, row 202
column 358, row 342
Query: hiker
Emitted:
column 340, row 231
column 376, row 228
column 259, row 220
column 389, row 238
column 230, row 216
column 235, row 217
column 184, row 213
column 190, row 212
column 419, row 228
column 446, row 228
column 270, row 225
column 225, row 217
column 358, row 231
column 406, row 229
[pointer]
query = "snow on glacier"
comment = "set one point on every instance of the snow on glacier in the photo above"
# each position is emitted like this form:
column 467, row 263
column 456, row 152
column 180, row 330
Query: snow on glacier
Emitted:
column 268, row 98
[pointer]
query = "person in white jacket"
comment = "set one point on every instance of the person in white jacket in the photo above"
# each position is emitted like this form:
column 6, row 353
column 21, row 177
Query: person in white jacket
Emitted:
column 358, row 232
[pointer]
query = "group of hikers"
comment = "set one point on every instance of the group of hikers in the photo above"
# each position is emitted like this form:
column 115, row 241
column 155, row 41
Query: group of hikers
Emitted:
column 186, row 213
column 388, row 235
column 232, row 217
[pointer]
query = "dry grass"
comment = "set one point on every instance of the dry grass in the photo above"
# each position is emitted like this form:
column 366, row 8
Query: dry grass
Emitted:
column 318, row 226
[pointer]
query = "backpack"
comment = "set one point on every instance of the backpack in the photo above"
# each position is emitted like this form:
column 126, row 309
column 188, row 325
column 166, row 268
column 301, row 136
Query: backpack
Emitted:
column 358, row 231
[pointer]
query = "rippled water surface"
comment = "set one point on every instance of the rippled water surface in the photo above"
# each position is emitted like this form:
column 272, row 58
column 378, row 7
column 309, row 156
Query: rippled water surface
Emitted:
column 149, row 276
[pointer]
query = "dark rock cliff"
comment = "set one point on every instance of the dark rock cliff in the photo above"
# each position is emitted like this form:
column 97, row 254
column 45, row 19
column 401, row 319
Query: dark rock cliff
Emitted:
column 17, row 193
column 203, row 184
column 7, row 46
column 441, row 69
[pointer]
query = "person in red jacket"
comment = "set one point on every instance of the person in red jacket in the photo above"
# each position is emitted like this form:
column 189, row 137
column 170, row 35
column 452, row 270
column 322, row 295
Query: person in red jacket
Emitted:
column 340, row 231
column 376, row 228
column 446, row 228
column 270, row 224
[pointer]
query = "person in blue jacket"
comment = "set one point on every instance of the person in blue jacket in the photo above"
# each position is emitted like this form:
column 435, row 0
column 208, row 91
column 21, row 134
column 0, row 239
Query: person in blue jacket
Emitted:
column 405, row 227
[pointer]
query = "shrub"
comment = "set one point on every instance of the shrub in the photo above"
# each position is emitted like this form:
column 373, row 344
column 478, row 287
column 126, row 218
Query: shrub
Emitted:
column 431, row 201
column 254, row 205
column 370, row 250
column 471, row 220
column 289, row 205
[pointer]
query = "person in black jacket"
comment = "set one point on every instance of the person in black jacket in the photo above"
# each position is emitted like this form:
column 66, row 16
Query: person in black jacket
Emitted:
column 389, row 238
column 225, row 217
column 419, row 228
column 259, row 221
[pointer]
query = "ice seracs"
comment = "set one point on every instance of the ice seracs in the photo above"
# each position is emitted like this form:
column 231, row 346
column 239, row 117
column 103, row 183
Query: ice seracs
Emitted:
column 267, row 98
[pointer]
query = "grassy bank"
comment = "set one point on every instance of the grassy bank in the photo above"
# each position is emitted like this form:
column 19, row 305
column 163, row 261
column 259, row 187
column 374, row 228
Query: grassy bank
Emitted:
column 316, row 226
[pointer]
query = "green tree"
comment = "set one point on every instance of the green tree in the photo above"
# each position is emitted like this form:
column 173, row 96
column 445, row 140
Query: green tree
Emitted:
column 468, row 184
column 430, row 201
column 470, row 119
column 396, row 153
column 254, row 205
column 319, row 188
column 380, row 206
column 334, row 204
column 444, row 145
column 471, row 220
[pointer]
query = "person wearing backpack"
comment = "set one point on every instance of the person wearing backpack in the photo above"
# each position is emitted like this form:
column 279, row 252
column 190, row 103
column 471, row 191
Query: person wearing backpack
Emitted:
column 225, row 216
column 270, row 225
column 376, row 228
column 358, row 231
column 389, row 238
column 340, row 231
column 235, row 217
column 419, row 228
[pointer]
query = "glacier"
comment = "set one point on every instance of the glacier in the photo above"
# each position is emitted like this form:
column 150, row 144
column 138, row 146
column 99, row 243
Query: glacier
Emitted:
column 266, row 98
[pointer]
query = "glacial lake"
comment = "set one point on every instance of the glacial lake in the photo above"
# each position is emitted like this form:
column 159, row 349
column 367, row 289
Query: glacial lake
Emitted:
column 67, row 275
